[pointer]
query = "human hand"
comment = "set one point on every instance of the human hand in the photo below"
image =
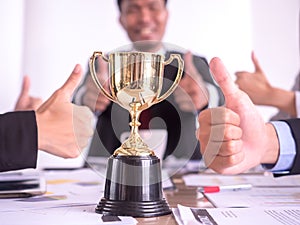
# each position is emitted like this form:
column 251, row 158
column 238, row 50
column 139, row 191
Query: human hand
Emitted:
column 234, row 138
column 64, row 128
column 93, row 98
column 25, row 101
column 255, row 84
column 191, row 94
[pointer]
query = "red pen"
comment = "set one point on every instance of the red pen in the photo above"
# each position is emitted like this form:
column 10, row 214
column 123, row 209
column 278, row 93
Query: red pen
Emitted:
column 215, row 189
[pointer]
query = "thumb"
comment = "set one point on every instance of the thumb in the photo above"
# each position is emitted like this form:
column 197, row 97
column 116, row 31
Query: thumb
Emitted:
column 102, row 66
column 25, row 86
column 222, row 77
column 73, row 81
column 103, row 72
column 190, row 68
column 255, row 62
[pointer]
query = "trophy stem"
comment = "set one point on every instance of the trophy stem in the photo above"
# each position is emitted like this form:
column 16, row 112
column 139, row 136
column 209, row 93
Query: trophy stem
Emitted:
column 135, row 123
column 134, row 145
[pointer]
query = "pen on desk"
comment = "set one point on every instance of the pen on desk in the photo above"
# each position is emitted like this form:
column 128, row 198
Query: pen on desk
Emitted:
column 215, row 189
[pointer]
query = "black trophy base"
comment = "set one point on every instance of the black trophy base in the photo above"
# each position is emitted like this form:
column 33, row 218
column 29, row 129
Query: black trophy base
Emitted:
column 134, row 209
column 133, row 187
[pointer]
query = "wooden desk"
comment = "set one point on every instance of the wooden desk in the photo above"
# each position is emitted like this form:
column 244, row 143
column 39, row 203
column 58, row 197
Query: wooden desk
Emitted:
column 187, row 196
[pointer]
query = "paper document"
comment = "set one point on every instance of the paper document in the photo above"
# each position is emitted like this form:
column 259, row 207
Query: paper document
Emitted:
column 237, row 216
column 257, row 197
column 266, row 190
column 79, row 215
column 258, row 180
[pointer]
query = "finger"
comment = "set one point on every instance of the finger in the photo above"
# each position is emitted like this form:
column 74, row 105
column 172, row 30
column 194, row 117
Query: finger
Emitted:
column 102, row 65
column 231, row 148
column 219, row 149
column 190, row 68
column 35, row 103
column 255, row 62
column 72, row 82
column 241, row 74
column 225, row 149
column 222, row 77
column 25, row 85
column 225, row 132
column 225, row 164
column 219, row 115
column 102, row 73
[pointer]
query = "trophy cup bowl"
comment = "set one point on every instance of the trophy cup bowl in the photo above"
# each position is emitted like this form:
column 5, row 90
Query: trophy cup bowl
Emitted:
column 133, row 184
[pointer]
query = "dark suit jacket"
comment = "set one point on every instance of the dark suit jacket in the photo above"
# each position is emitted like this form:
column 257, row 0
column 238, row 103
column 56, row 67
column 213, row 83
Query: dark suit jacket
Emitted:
column 295, row 128
column 181, row 126
column 18, row 140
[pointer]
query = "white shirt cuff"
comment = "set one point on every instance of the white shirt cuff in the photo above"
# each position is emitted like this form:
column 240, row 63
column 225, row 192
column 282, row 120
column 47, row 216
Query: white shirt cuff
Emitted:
column 287, row 147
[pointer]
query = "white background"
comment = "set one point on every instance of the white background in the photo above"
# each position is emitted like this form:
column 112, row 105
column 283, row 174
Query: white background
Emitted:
column 46, row 38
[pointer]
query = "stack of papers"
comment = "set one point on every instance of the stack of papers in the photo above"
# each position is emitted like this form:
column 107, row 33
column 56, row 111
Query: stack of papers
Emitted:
column 257, row 180
column 21, row 183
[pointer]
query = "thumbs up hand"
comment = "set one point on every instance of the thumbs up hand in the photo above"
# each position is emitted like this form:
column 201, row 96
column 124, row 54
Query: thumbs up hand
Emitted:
column 64, row 128
column 92, row 97
column 25, row 101
column 234, row 138
column 191, row 94
column 256, row 84
column 261, row 92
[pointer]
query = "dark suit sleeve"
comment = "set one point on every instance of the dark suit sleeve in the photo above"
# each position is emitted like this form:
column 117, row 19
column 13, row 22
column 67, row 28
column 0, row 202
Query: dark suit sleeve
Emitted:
column 295, row 128
column 18, row 137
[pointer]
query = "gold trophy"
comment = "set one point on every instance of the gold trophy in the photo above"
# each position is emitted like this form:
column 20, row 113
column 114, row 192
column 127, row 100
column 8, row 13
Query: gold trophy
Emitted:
column 133, row 180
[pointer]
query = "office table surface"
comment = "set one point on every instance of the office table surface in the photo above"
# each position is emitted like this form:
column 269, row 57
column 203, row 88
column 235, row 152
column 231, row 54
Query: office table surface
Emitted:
column 77, row 192
column 81, row 189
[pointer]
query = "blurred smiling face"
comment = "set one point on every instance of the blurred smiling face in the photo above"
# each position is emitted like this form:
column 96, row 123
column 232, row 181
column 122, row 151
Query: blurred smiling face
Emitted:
column 144, row 20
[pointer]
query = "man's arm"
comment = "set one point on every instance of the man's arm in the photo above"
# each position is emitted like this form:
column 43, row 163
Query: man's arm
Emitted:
column 57, row 127
column 18, row 135
column 296, row 92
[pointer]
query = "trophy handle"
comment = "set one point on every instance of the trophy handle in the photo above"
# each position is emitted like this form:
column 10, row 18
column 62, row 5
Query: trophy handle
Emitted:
column 178, row 76
column 94, row 76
